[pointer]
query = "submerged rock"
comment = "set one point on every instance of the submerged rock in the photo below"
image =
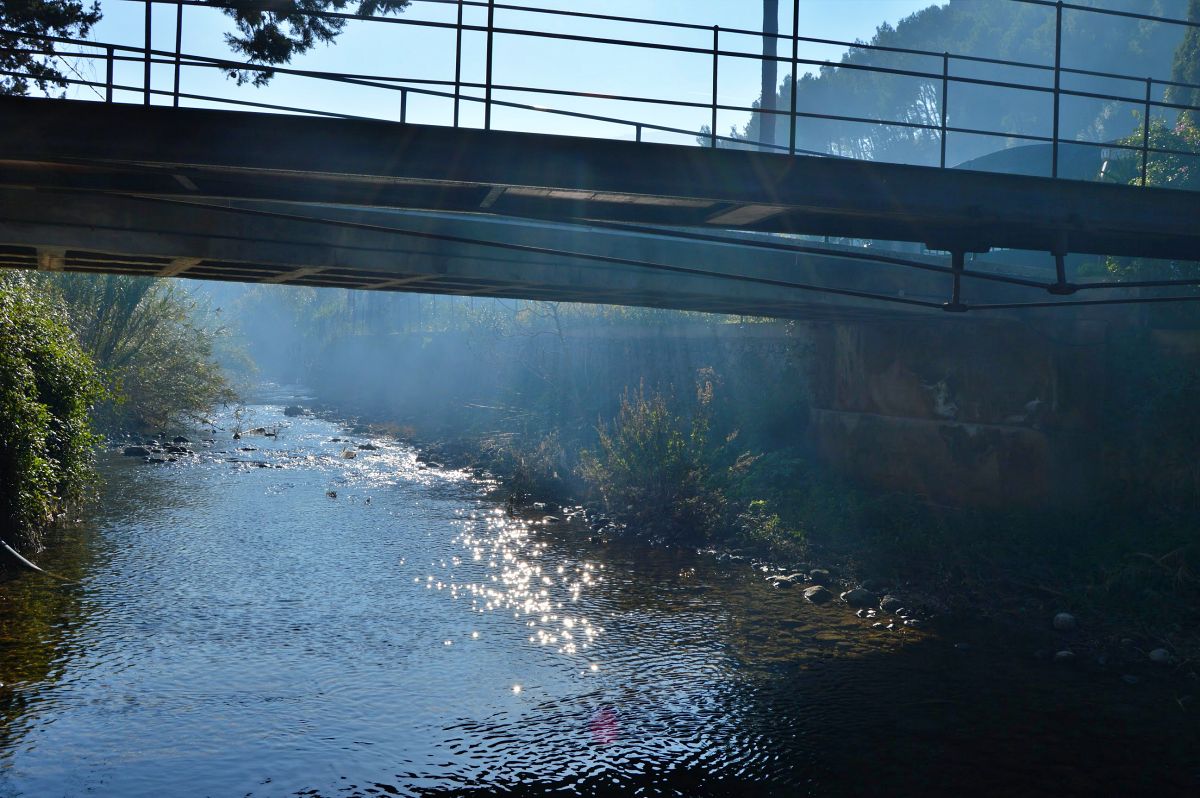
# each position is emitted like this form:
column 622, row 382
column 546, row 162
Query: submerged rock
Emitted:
column 859, row 597
column 1064, row 622
column 818, row 595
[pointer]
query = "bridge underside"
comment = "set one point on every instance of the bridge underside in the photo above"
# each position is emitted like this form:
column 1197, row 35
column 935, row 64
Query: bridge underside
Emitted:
column 374, row 205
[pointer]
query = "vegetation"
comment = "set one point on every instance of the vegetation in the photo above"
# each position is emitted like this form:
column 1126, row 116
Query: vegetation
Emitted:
column 1011, row 31
column 654, row 469
column 149, row 342
column 268, row 33
column 47, row 387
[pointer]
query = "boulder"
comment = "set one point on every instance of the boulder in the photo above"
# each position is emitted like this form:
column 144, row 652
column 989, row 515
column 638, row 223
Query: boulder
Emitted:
column 135, row 451
column 820, row 576
column 294, row 410
column 818, row 595
column 859, row 597
column 1064, row 622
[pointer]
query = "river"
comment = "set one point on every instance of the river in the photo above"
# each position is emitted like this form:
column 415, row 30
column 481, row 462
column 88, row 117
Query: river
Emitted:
column 304, row 623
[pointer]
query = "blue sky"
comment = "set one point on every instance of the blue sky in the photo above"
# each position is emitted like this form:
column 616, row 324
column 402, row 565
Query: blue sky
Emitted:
column 428, row 53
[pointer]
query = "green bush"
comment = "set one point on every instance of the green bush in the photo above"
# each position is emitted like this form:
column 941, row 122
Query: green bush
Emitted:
column 47, row 388
column 653, row 468
column 153, row 348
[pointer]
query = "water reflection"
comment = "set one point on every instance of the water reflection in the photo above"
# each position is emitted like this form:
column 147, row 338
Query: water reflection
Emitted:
column 292, row 621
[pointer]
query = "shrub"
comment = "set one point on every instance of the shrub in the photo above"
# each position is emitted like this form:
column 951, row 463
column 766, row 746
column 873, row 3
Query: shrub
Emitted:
column 154, row 351
column 652, row 467
column 47, row 388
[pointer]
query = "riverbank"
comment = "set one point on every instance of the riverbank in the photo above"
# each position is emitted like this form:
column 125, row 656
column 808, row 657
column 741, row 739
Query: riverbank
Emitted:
column 1077, row 594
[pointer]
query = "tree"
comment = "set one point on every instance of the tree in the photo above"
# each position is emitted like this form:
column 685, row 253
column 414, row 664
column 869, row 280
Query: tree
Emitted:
column 23, row 24
column 269, row 33
column 272, row 33
column 1186, row 68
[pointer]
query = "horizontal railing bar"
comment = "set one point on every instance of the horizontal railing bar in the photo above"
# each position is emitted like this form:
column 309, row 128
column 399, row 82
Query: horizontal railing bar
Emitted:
column 1111, row 12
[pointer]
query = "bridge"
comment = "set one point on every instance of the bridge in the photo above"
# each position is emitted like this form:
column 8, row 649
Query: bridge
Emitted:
column 314, row 198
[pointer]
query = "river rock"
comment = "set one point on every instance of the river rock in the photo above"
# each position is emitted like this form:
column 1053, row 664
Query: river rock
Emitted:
column 912, row 622
column 878, row 625
column 859, row 597
column 890, row 604
column 368, row 447
column 135, row 451
column 180, row 439
column 819, row 576
column 1064, row 657
column 791, row 580
column 818, row 595
column 294, row 410
column 1160, row 656
column 1064, row 622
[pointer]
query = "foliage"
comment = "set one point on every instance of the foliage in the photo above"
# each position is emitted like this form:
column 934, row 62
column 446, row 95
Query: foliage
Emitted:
column 273, row 33
column 47, row 387
column 147, row 338
column 1013, row 31
column 1186, row 67
column 269, row 33
column 652, row 467
column 25, row 24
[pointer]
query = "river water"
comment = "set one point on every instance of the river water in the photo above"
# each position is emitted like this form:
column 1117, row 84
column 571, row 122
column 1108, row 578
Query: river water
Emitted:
column 303, row 623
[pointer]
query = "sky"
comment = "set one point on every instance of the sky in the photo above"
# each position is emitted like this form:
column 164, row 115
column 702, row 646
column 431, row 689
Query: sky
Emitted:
column 407, row 51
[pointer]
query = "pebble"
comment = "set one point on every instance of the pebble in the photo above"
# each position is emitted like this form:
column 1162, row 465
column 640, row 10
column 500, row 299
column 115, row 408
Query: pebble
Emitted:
column 1064, row 622
column 1160, row 656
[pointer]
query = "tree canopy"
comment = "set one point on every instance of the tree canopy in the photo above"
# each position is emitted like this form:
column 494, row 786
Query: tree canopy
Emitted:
column 1002, row 30
column 268, row 33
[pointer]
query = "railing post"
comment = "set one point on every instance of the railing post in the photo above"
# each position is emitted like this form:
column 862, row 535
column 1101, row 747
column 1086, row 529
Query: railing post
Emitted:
column 945, row 95
column 715, row 56
column 146, row 76
column 458, row 62
column 108, row 74
column 1146, row 128
column 178, row 46
column 1058, row 9
column 403, row 105
column 487, row 101
column 638, row 132
column 795, row 60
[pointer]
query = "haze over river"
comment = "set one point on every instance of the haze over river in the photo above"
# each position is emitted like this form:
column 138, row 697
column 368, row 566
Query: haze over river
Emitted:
column 237, row 629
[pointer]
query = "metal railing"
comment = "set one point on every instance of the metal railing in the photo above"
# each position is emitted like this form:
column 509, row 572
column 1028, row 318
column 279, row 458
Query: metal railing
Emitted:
column 484, row 93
